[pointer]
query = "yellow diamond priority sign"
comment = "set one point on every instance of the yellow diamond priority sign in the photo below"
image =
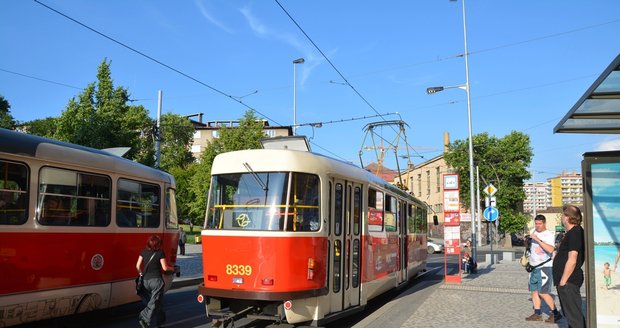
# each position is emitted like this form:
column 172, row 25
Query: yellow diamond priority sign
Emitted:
column 490, row 189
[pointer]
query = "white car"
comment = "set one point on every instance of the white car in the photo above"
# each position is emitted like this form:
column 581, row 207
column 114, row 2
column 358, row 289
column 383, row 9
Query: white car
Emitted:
column 434, row 246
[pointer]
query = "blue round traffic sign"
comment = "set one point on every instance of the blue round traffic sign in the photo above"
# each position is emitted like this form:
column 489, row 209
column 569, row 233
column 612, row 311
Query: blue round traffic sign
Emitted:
column 491, row 213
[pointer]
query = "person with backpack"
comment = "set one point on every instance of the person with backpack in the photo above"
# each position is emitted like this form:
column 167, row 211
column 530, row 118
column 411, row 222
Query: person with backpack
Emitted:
column 542, row 246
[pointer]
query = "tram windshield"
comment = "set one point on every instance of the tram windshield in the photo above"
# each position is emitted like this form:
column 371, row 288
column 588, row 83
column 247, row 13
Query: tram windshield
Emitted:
column 273, row 201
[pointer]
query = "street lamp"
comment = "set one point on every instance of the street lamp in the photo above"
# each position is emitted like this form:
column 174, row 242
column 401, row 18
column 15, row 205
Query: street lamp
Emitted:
column 295, row 62
column 465, row 87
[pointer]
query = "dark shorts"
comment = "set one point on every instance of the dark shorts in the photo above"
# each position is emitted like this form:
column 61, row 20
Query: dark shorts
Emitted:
column 541, row 280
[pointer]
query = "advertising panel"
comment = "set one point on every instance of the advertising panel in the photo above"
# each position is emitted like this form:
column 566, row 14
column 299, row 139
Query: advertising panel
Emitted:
column 602, row 225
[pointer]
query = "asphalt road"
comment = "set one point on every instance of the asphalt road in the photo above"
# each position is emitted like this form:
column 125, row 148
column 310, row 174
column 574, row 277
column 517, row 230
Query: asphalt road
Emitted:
column 183, row 310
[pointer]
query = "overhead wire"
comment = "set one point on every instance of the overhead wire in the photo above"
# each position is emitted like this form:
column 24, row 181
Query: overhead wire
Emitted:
column 346, row 81
column 157, row 61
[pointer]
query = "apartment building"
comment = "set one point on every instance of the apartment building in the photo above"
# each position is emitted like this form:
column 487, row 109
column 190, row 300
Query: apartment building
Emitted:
column 537, row 195
column 567, row 188
column 206, row 132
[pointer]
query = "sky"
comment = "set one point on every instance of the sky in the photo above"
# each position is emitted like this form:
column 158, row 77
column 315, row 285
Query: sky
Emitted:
column 529, row 63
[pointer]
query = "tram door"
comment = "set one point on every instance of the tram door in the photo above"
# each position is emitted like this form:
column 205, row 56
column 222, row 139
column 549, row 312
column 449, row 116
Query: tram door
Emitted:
column 345, row 275
column 402, row 240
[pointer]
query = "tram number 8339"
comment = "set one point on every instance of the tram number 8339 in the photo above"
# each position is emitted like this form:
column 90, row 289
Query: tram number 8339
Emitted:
column 238, row 270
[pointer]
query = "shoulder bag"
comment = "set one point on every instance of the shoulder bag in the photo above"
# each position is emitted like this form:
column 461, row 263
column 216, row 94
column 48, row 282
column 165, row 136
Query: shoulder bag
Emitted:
column 140, row 289
column 524, row 260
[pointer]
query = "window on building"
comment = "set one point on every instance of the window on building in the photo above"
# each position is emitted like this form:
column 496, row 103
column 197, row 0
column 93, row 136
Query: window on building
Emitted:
column 428, row 182
column 438, row 178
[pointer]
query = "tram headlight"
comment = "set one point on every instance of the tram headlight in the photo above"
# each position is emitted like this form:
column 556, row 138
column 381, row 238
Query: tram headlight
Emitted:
column 237, row 280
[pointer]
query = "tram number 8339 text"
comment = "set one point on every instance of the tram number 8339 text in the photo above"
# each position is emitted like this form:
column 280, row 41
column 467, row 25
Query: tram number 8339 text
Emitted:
column 239, row 270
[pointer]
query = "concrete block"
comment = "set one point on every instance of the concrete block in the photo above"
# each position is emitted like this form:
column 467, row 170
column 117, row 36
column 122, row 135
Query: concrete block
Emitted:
column 487, row 258
column 508, row 256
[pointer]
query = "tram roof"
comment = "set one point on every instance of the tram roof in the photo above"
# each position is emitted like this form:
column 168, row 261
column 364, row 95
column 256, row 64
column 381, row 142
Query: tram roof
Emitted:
column 263, row 160
column 24, row 144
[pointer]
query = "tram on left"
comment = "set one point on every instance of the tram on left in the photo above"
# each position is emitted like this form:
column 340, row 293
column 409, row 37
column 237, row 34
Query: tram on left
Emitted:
column 72, row 222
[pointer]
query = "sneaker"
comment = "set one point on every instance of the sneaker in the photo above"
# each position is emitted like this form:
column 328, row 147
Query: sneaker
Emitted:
column 554, row 318
column 143, row 324
column 534, row 317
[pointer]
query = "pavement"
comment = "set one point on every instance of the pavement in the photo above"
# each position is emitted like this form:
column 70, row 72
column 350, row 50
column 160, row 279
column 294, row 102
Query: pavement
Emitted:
column 191, row 267
column 496, row 296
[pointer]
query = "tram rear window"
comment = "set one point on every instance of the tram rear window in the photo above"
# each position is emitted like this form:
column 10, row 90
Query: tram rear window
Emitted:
column 13, row 193
column 263, row 201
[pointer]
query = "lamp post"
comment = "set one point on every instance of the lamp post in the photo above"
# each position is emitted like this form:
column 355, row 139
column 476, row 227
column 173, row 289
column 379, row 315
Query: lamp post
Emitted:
column 465, row 87
column 295, row 62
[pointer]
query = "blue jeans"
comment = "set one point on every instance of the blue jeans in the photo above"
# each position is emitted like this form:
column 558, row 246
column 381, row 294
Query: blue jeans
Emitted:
column 154, row 301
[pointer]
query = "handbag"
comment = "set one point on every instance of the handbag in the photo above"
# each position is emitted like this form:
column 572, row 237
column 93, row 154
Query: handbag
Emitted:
column 140, row 289
column 524, row 260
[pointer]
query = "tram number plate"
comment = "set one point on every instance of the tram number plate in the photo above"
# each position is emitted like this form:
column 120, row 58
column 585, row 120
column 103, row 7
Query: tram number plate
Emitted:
column 238, row 269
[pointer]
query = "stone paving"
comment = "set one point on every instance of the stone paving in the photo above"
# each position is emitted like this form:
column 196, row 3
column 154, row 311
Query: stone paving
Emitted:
column 496, row 296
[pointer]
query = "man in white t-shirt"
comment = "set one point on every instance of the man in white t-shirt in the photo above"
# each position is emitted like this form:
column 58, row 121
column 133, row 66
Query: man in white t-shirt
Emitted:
column 541, row 279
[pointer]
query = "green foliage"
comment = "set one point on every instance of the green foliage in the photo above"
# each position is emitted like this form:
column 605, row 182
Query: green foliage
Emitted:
column 6, row 119
column 502, row 162
column 183, row 177
column 101, row 118
column 45, row 127
column 176, row 136
column 246, row 136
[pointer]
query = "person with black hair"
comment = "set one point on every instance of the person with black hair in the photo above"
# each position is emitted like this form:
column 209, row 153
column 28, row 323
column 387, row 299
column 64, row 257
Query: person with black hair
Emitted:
column 541, row 247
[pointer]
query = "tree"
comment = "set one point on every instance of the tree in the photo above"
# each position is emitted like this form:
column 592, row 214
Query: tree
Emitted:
column 6, row 119
column 176, row 134
column 100, row 117
column 45, row 127
column 246, row 136
column 502, row 162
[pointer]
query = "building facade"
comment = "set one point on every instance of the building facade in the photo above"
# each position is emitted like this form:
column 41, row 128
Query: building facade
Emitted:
column 537, row 196
column 567, row 188
column 204, row 133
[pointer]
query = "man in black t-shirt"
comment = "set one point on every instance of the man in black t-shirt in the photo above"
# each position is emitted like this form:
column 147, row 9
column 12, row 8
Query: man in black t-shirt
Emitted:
column 567, row 272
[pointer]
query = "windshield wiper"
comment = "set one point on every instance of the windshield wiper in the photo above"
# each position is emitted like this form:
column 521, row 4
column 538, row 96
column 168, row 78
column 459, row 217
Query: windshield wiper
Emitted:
column 256, row 177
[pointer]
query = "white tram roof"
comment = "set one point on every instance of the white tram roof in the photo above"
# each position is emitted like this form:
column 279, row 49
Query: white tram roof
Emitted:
column 281, row 160
column 55, row 151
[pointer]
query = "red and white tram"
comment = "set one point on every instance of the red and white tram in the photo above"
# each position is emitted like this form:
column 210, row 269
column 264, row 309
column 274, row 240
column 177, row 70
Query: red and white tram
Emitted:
column 72, row 223
column 294, row 236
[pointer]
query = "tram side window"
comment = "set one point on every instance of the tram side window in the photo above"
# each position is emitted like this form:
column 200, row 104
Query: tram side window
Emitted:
column 411, row 218
column 305, row 200
column 375, row 210
column 72, row 198
column 390, row 213
column 421, row 220
column 357, row 210
column 338, row 211
column 172, row 221
column 13, row 193
column 137, row 204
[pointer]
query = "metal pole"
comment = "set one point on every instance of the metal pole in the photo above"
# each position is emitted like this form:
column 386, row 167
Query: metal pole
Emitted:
column 158, row 131
column 479, row 230
column 294, row 98
column 471, row 143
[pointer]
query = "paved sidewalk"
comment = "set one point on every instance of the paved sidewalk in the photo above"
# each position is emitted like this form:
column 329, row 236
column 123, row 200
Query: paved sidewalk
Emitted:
column 496, row 296
column 191, row 267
